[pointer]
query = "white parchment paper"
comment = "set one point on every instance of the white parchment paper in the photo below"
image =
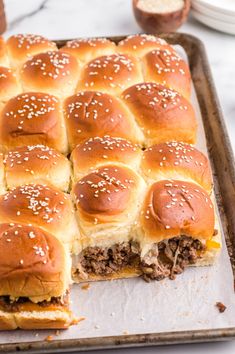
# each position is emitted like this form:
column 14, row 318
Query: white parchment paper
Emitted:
column 132, row 306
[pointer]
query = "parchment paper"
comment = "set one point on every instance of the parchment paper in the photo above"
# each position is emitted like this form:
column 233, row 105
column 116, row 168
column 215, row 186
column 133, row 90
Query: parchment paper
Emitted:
column 132, row 306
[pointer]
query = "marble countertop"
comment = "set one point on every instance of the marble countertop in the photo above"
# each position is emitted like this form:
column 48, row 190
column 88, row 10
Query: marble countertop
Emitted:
column 59, row 19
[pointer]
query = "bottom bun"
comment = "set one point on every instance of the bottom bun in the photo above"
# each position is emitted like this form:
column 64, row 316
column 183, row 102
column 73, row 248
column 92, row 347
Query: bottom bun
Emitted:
column 58, row 319
column 128, row 272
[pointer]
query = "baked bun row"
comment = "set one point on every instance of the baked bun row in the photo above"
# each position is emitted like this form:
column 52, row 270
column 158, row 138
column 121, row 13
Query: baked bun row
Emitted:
column 145, row 114
column 95, row 64
column 41, row 164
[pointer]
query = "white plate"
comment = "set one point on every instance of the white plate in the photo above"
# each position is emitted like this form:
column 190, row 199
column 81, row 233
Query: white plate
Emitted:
column 213, row 23
column 214, row 13
column 222, row 6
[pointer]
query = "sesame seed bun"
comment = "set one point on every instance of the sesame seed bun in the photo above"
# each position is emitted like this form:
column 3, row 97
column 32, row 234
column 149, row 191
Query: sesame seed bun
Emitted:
column 162, row 113
column 99, row 151
column 168, row 68
column 179, row 161
column 21, row 47
column 43, row 206
column 37, row 164
column 53, row 72
column 107, row 202
column 9, row 85
column 110, row 73
column 35, row 267
column 86, row 49
column 89, row 114
column 32, row 119
column 173, row 208
column 140, row 44
column 33, row 263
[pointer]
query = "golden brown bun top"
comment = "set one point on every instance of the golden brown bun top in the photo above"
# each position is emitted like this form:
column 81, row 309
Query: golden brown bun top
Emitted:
column 30, row 106
column 105, row 191
column 91, row 113
column 101, row 150
column 27, row 115
column 180, row 158
column 42, row 203
column 86, row 49
column 32, row 157
column 158, row 109
column 50, row 69
column 174, row 208
column 167, row 67
column 23, row 46
column 141, row 44
column 166, row 61
column 154, row 96
column 31, row 262
column 111, row 73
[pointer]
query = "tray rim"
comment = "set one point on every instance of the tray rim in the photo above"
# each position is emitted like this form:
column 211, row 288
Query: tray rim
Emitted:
column 161, row 338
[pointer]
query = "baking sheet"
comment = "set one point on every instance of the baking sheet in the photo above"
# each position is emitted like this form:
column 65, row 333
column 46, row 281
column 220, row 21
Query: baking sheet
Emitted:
column 132, row 306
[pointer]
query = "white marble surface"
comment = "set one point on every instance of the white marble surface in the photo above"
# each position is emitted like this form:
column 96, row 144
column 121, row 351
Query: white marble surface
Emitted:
column 81, row 18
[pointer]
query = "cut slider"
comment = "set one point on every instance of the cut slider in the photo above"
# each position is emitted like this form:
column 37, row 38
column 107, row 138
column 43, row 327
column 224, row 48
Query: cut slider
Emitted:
column 34, row 279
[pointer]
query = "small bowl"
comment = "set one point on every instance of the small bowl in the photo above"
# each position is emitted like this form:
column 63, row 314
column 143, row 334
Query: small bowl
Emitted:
column 152, row 22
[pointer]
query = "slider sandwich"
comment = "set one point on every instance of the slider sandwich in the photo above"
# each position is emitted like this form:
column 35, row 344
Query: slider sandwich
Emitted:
column 34, row 279
column 176, row 228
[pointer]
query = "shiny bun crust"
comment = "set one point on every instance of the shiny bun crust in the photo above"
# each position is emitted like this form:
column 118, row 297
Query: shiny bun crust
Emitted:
column 168, row 68
column 9, row 85
column 107, row 202
column 89, row 114
column 99, row 151
column 43, row 206
column 140, row 44
column 111, row 73
column 177, row 160
column 53, row 72
column 21, row 47
column 37, row 163
column 86, row 49
column 105, row 191
column 173, row 208
column 4, row 61
column 32, row 119
column 33, row 263
column 2, row 175
column 162, row 113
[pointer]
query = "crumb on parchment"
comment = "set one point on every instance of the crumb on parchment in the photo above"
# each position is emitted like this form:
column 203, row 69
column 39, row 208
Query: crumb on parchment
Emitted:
column 85, row 286
column 220, row 306
column 49, row 338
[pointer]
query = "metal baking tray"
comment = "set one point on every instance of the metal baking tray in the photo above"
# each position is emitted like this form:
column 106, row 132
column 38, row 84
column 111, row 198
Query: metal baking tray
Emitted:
column 222, row 161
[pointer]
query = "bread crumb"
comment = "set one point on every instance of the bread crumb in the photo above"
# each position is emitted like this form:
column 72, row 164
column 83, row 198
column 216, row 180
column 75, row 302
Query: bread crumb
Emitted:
column 80, row 319
column 85, row 286
column 125, row 332
column 49, row 338
column 57, row 333
column 221, row 307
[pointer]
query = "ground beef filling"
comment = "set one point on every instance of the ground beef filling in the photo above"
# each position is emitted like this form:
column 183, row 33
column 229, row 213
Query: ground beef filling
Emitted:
column 105, row 261
column 170, row 258
column 6, row 304
column 166, row 259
